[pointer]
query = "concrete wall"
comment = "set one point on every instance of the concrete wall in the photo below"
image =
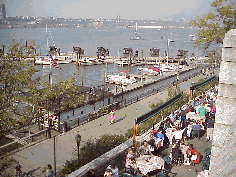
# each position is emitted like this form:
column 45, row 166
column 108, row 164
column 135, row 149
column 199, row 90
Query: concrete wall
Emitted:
column 223, row 159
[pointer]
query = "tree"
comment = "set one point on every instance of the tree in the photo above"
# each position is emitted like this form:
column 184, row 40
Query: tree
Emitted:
column 215, row 24
column 16, row 77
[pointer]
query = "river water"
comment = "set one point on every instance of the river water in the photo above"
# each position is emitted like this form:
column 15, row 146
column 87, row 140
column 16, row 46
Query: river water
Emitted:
column 111, row 38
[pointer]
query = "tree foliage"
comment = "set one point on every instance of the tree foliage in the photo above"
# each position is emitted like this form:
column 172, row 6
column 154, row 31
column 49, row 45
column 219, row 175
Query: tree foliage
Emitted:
column 215, row 24
column 16, row 77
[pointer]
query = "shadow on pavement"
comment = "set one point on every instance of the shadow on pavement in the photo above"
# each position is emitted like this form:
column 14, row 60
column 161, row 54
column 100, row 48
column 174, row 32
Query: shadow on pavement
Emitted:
column 30, row 173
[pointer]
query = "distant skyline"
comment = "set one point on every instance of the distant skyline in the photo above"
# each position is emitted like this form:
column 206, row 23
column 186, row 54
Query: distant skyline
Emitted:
column 109, row 9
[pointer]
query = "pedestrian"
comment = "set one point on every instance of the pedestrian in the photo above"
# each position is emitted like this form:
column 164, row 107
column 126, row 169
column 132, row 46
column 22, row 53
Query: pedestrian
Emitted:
column 49, row 172
column 18, row 170
column 112, row 117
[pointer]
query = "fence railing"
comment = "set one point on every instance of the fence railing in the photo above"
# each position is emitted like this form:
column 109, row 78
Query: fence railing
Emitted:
column 23, row 142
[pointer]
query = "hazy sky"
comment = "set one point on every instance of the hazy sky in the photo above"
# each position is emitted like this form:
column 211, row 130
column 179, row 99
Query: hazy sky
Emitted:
column 127, row 9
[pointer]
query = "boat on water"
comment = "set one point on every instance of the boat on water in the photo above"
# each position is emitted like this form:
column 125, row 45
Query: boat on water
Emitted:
column 165, row 67
column 123, row 78
column 136, row 38
column 154, row 71
column 88, row 61
column 46, row 60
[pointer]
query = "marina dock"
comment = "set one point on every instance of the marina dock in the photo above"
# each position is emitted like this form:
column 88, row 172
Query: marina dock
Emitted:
column 148, row 80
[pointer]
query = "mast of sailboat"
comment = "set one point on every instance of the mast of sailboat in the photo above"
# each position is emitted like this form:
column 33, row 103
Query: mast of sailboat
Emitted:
column 47, row 35
column 168, row 41
column 136, row 28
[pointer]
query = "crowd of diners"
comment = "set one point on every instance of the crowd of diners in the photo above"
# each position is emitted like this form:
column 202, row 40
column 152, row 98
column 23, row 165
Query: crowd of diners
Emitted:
column 175, row 131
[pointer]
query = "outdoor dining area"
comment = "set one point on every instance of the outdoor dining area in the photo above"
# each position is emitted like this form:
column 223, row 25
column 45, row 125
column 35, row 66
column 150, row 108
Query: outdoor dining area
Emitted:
column 180, row 146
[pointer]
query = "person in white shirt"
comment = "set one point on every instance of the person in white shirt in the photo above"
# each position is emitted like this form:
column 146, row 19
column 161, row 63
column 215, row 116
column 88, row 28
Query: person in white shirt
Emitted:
column 114, row 169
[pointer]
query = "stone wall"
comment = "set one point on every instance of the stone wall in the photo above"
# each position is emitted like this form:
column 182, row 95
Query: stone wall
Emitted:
column 223, row 159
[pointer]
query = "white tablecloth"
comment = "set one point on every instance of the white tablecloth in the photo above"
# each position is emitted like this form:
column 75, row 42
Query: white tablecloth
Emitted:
column 148, row 163
column 192, row 116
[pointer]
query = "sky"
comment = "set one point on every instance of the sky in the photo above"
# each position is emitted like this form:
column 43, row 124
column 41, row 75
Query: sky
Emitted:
column 109, row 9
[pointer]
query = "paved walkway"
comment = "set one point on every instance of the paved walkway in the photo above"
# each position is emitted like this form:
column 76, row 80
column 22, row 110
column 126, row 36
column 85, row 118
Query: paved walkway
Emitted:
column 35, row 158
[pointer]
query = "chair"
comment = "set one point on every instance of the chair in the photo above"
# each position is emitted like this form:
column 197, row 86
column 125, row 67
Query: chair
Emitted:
column 136, row 173
column 165, row 171
column 126, row 175
column 177, row 158
column 160, row 174
column 196, row 134
column 207, row 152
column 167, row 160
column 206, row 164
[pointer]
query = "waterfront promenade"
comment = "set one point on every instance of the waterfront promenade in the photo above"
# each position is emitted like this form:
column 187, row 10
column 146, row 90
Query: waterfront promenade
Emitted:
column 35, row 158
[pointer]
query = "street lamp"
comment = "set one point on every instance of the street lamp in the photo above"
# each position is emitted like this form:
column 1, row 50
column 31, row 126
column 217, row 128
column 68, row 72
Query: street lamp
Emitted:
column 78, row 139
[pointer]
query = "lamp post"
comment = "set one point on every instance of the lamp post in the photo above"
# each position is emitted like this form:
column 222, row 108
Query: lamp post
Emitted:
column 78, row 139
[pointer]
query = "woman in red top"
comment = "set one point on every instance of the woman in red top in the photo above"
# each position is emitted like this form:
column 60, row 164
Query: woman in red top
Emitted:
column 194, row 153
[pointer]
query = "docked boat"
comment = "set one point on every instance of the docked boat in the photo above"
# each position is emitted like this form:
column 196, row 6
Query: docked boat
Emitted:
column 63, row 59
column 123, row 78
column 154, row 71
column 165, row 67
column 46, row 60
column 43, row 60
column 87, row 61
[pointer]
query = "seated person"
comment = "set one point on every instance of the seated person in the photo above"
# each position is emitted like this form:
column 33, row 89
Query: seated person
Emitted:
column 114, row 169
column 193, row 154
column 196, row 128
column 128, row 157
column 178, row 122
column 133, row 163
column 90, row 173
column 167, row 124
column 184, row 141
column 144, row 149
column 162, row 127
column 108, row 173
column 159, row 135
column 176, row 149
column 178, row 134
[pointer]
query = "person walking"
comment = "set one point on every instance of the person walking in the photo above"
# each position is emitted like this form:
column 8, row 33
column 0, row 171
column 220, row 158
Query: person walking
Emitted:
column 49, row 172
column 18, row 170
column 112, row 117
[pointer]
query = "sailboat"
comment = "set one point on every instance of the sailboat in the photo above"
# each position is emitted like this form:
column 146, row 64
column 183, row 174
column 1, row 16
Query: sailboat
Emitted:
column 59, row 59
column 136, row 37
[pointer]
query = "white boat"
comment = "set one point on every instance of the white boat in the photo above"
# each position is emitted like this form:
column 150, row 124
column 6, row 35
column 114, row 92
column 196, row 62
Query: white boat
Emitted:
column 43, row 60
column 87, row 61
column 83, row 61
column 99, row 61
column 122, row 78
column 165, row 67
column 123, row 61
column 64, row 59
column 91, row 61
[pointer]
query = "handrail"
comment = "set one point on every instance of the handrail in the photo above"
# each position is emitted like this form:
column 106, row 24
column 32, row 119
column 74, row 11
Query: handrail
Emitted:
column 158, row 109
column 196, row 86
column 23, row 138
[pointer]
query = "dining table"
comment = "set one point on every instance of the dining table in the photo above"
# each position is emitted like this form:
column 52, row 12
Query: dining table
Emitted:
column 192, row 116
column 148, row 163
